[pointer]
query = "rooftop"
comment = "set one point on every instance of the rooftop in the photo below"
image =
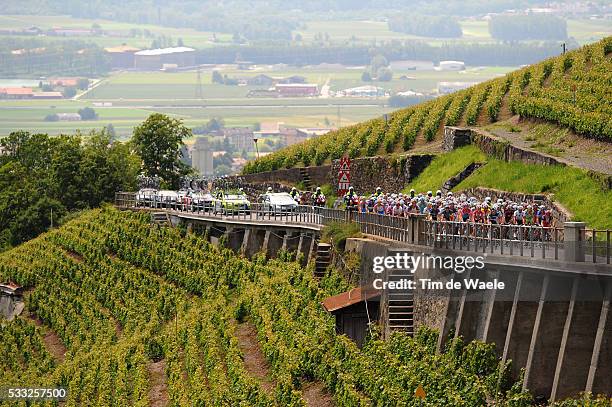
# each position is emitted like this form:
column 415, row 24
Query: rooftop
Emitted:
column 16, row 91
column 164, row 51
column 121, row 48
column 348, row 298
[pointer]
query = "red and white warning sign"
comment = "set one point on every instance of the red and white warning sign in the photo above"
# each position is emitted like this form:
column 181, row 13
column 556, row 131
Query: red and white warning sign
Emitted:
column 345, row 164
column 344, row 175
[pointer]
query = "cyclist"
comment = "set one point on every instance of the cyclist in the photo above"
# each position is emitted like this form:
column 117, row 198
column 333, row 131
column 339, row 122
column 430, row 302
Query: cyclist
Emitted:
column 318, row 197
column 350, row 199
column 412, row 193
column 378, row 192
column 295, row 194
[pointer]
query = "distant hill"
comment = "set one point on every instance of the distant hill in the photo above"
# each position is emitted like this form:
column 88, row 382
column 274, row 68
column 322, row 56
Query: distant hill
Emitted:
column 572, row 91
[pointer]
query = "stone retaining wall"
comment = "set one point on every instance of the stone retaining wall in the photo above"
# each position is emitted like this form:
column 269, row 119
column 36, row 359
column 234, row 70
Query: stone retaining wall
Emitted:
column 388, row 172
column 290, row 176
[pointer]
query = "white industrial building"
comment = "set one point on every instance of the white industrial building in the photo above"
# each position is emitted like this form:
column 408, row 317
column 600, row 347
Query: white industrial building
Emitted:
column 450, row 87
column 451, row 66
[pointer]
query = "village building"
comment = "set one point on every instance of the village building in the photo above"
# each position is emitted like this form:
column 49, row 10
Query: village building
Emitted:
column 296, row 89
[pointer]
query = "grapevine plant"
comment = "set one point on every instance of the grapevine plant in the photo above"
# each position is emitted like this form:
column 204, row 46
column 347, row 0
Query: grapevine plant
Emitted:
column 122, row 295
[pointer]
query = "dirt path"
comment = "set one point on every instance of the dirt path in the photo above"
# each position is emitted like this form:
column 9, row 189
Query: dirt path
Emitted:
column 158, row 392
column 315, row 395
column 52, row 342
column 255, row 362
column 575, row 150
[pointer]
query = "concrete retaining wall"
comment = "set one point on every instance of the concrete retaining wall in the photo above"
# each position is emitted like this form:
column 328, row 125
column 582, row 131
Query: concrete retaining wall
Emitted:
column 552, row 321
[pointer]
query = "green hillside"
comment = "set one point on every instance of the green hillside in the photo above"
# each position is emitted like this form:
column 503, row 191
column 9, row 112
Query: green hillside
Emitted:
column 121, row 295
column 572, row 91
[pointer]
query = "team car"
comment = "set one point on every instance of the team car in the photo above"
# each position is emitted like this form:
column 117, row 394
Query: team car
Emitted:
column 202, row 201
column 230, row 203
column 168, row 199
column 280, row 202
column 146, row 197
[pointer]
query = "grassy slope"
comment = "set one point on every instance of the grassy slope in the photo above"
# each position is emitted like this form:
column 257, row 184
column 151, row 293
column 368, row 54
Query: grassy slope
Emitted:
column 445, row 166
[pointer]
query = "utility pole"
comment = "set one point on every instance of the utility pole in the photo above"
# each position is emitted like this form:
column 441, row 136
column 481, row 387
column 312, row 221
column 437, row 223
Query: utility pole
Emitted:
column 199, row 85
column 256, row 147
column 51, row 218
column 564, row 48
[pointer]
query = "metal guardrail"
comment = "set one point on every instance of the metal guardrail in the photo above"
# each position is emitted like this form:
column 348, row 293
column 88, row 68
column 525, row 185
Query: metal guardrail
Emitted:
column 515, row 240
column 530, row 241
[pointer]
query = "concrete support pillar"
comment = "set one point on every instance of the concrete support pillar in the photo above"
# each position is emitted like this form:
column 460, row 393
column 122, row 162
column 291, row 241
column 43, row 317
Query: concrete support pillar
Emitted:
column 447, row 324
column 602, row 353
column 520, row 330
column 563, row 345
column 189, row 227
column 245, row 242
column 573, row 246
column 266, row 241
column 300, row 243
column 517, row 291
column 460, row 311
column 547, row 334
column 476, row 307
column 207, row 232
column 603, row 372
column 536, row 330
column 285, row 238
column 311, row 249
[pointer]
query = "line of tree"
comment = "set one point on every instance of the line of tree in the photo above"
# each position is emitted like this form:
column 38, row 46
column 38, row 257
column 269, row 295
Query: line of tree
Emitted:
column 502, row 54
column 425, row 26
column 44, row 179
column 43, row 58
column 528, row 27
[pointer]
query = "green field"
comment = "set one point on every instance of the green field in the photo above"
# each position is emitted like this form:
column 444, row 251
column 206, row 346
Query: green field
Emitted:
column 134, row 95
column 191, row 37
column 340, row 31
column 124, row 119
column 183, row 85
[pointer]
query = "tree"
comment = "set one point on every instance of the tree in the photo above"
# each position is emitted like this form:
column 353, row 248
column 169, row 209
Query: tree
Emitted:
column 217, row 77
column 378, row 62
column 69, row 92
column 215, row 124
column 366, row 77
column 110, row 129
column 87, row 113
column 384, row 74
column 53, row 117
column 297, row 37
column 179, row 43
column 83, row 83
column 158, row 141
column 39, row 173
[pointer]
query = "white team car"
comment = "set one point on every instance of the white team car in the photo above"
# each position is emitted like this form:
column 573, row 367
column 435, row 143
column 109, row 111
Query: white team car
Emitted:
column 280, row 202
column 146, row 197
column 167, row 199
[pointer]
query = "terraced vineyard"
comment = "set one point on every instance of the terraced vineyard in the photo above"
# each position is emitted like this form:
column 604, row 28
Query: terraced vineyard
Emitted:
column 572, row 91
column 125, row 298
